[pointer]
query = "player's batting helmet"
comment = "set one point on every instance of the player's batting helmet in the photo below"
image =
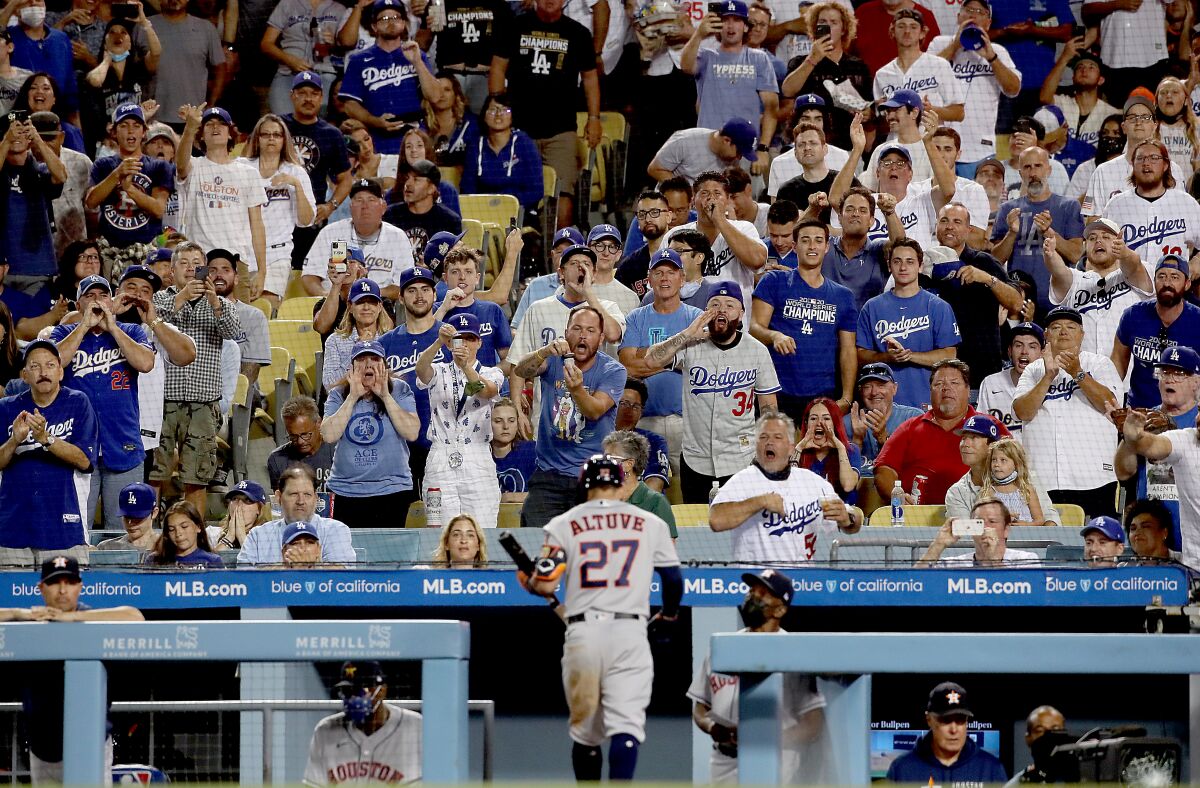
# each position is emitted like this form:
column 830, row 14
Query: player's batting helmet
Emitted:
column 601, row 470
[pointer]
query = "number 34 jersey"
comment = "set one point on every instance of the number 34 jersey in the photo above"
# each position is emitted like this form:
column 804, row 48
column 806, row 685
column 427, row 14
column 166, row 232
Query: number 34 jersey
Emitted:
column 612, row 549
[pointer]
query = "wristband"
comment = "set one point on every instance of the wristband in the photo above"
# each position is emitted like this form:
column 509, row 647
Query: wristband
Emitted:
column 991, row 59
column 762, row 148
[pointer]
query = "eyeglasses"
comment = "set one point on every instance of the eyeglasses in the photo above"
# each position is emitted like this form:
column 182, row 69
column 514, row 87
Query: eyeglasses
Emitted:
column 685, row 251
column 606, row 247
column 629, row 405
column 1150, row 157
column 650, row 213
column 893, row 164
column 271, row 135
column 1169, row 373
column 394, row 18
column 297, row 437
column 496, row 109
column 1139, row 118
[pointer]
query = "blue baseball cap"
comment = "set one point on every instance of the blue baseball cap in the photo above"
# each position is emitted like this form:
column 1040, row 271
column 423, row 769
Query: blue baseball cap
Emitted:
column 143, row 272
column 249, row 488
column 1063, row 313
column 37, row 344
column 1179, row 357
column 571, row 251
column 980, row 425
column 568, row 235
column 158, row 255
column 876, row 371
column 218, row 113
column 126, row 111
column 892, row 147
column 309, row 79
column 293, row 531
column 417, row 273
column 1175, row 262
column 88, row 282
column 1029, row 329
column 354, row 253
column 809, row 100
column 726, row 288
column 904, row 98
column 742, row 135
column 665, row 256
column 437, row 247
column 465, row 323
column 604, row 231
column 735, row 8
column 382, row 5
column 1105, row 525
column 364, row 288
column 136, row 500
column 368, row 348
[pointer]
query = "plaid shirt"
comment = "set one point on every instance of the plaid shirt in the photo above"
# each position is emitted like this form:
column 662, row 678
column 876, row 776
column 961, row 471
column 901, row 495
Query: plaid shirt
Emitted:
column 199, row 381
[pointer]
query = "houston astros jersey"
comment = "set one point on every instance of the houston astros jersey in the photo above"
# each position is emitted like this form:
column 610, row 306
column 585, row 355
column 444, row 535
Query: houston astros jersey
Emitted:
column 341, row 753
column 1100, row 299
column 767, row 537
column 612, row 549
column 1152, row 228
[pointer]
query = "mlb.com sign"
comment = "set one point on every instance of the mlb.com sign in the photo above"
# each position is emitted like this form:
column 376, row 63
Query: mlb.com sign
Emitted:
column 984, row 587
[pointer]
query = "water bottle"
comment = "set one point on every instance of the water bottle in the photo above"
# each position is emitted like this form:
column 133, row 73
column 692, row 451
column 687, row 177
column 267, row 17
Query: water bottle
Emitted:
column 712, row 494
column 897, row 505
column 433, row 507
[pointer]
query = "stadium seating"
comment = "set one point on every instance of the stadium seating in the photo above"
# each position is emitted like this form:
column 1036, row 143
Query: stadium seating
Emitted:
column 688, row 515
column 303, row 343
column 297, row 308
column 913, row 515
column 387, row 545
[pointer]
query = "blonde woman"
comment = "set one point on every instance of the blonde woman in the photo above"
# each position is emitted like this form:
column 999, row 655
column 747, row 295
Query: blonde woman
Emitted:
column 246, row 507
column 1178, row 124
column 364, row 319
column 462, row 545
column 1008, row 479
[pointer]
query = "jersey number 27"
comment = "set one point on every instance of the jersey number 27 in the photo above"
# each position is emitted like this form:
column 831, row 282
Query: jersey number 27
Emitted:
column 603, row 551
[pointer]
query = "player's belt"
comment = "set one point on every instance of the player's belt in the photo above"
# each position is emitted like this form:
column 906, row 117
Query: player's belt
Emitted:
column 602, row 615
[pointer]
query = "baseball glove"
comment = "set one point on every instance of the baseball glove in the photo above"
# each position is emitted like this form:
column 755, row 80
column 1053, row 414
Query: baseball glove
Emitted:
column 661, row 631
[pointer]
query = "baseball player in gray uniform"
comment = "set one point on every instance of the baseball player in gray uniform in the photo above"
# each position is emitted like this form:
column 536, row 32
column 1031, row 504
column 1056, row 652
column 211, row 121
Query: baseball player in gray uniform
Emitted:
column 606, row 551
column 370, row 740
column 725, row 372
column 715, row 695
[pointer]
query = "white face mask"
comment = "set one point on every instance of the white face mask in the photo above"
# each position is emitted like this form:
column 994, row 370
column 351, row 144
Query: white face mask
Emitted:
column 33, row 15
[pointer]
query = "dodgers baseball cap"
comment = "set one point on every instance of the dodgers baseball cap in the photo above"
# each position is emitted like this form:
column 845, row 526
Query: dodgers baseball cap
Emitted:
column 904, row 98
column 159, row 255
column 568, row 235
column 249, row 488
column 381, row 5
column 899, row 150
column 1179, row 357
column 37, row 344
column 417, row 273
column 363, row 672
column 60, row 566
column 1028, row 329
column 742, row 135
column 364, row 288
column 571, row 251
column 218, row 113
column 1173, row 261
column 437, row 247
column 371, row 185
column 465, row 323
column 948, row 698
column 726, row 288
column 604, row 231
column 293, row 531
column 735, row 8
column 127, row 111
column 307, row 79
column 776, row 582
column 665, row 256
column 1063, row 313
column 367, row 348
column 980, row 425
column 1100, row 223
column 877, row 371
column 88, row 282
column 809, row 101
column 145, row 273
column 136, row 500
column 1105, row 525
column 354, row 253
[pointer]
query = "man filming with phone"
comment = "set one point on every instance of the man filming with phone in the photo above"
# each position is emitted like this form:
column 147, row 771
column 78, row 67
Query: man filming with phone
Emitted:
column 988, row 528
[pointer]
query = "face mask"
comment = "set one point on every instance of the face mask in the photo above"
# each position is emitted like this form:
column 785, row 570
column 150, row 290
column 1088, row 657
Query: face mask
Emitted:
column 754, row 612
column 33, row 15
column 1009, row 479
column 120, row 57
column 1108, row 147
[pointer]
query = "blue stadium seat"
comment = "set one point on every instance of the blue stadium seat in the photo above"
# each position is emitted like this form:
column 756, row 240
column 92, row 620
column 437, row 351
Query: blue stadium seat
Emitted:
column 387, row 545
column 115, row 557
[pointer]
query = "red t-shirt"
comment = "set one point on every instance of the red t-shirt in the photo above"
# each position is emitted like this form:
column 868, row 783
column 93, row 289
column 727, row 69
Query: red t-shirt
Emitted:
column 920, row 447
column 874, row 43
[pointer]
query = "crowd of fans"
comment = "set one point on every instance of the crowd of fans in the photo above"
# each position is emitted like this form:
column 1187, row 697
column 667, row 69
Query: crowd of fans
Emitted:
column 944, row 249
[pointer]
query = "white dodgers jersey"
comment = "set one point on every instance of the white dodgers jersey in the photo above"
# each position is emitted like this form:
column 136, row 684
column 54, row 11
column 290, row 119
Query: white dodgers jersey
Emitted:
column 612, row 549
column 767, row 537
column 341, row 753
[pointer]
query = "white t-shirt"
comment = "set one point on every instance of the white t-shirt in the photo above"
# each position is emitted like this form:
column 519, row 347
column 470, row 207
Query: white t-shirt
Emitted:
column 769, row 537
column 1152, row 228
column 1185, row 459
column 929, row 75
column 1175, row 137
column 1133, row 39
column 280, row 216
column 981, row 91
column 967, row 192
column 387, row 254
column 151, row 387
column 1112, row 178
column 995, row 399
column 921, row 168
column 1069, row 443
column 216, row 202
column 1080, row 180
column 1023, row 557
column 1100, row 306
column 786, row 166
column 725, row 266
column 341, row 753
column 1089, row 131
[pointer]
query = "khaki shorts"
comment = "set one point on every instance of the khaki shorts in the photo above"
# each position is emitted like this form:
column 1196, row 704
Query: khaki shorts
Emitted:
column 190, row 427
column 558, row 153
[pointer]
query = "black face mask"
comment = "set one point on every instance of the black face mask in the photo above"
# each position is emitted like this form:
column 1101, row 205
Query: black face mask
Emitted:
column 1108, row 147
column 754, row 612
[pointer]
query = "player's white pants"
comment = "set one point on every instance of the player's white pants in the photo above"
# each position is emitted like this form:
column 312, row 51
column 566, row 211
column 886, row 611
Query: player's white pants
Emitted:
column 471, row 489
column 47, row 773
column 722, row 768
column 607, row 675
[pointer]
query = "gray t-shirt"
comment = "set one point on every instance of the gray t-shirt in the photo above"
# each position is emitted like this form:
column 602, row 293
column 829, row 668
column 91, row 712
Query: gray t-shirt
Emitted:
column 10, row 86
column 255, row 340
column 687, row 153
column 190, row 48
column 299, row 36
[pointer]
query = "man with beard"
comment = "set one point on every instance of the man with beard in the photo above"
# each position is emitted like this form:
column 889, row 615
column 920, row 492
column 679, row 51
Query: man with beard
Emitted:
column 1113, row 279
column 255, row 339
column 104, row 361
column 1155, row 216
column 870, row 425
column 1140, row 124
column 421, row 216
column 1025, row 344
column 775, row 510
column 727, row 374
column 802, row 317
column 322, row 149
column 815, row 176
column 379, row 89
column 809, row 110
column 580, row 386
column 1023, row 224
column 1062, row 398
column 1030, row 132
column 853, row 260
column 1147, row 327
column 653, row 213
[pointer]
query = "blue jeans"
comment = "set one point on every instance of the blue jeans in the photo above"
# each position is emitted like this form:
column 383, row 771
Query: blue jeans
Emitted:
column 108, row 484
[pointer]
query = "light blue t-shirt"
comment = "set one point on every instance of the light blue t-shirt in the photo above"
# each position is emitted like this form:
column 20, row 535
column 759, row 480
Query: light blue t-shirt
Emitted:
column 871, row 447
column 921, row 322
column 727, row 85
column 567, row 438
column 541, row 287
column 371, row 458
column 645, row 327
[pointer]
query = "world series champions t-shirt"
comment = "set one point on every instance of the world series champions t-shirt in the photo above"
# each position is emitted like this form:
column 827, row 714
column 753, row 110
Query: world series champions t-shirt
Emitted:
column 922, row 322
column 42, row 498
column 1142, row 331
column 545, row 60
column 471, row 25
column 384, row 82
column 122, row 222
column 813, row 316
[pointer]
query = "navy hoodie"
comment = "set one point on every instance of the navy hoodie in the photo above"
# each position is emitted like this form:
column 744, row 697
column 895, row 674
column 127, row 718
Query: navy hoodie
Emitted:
column 974, row 767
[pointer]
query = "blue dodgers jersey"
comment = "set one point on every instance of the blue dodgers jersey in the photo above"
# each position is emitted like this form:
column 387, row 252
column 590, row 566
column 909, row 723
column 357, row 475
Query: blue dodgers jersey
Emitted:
column 402, row 349
column 42, row 499
column 645, row 327
column 812, row 316
column 514, row 470
column 383, row 82
column 100, row 370
column 922, row 322
column 567, row 437
column 495, row 333
column 371, row 458
column 1141, row 330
